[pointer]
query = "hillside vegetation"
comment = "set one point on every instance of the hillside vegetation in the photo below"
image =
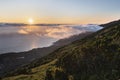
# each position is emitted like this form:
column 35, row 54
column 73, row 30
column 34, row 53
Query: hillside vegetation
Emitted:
column 96, row 57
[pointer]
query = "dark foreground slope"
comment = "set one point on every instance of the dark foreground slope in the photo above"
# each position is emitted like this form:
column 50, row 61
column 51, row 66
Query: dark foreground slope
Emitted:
column 96, row 57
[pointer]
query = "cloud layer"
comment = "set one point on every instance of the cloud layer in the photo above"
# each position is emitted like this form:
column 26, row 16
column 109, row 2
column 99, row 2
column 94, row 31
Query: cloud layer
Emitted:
column 57, row 32
column 22, row 38
column 61, row 31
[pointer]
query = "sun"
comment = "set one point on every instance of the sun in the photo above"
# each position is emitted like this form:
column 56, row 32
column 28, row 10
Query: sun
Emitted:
column 30, row 21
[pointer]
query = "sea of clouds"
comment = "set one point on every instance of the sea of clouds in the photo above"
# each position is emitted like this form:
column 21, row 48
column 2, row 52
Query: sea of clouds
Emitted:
column 58, row 31
column 23, row 38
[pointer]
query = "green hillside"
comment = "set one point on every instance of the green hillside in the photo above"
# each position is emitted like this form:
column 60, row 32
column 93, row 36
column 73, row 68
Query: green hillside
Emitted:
column 96, row 57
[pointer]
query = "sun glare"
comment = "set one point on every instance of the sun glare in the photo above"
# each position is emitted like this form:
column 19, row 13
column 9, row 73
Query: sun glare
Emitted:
column 30, row 21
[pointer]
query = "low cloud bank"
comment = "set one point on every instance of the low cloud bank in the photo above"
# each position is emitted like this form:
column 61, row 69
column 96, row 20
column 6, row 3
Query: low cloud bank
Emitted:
column 57, row 32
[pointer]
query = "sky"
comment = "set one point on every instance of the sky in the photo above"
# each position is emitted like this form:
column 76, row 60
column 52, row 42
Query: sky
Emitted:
column 59, row 11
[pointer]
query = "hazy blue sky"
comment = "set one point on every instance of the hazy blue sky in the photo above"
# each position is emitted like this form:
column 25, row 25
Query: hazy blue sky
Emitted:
column 59, row 11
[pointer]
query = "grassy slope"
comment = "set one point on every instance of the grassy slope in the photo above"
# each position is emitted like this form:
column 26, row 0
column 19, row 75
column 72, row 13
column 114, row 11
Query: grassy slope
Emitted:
column 37, row 73
column 96, row 57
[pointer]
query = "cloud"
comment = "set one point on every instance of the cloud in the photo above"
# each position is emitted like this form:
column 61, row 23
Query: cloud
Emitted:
column 58, row 32
column 62, row 31
column 22, row 32
column 89, row 27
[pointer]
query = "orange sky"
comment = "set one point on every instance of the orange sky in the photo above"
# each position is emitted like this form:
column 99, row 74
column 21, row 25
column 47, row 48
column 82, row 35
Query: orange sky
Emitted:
column 92, row 20
column 59, row 11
